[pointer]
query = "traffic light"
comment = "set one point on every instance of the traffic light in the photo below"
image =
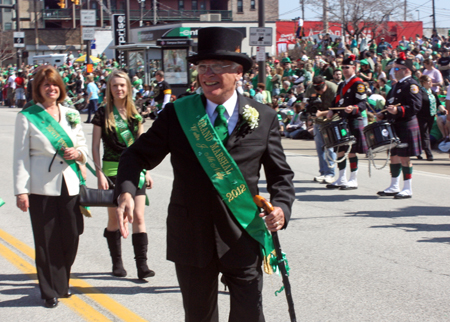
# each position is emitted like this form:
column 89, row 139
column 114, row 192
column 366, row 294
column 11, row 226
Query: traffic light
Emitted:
column 62, row 4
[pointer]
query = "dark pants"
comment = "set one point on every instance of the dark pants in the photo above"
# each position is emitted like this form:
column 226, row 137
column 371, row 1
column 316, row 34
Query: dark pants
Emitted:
column 92, row 108
column 57, row 223
column 425, row 125
column 199, row 288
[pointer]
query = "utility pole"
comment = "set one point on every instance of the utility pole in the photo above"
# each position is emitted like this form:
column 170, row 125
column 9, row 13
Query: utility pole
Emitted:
column 325, row 16
column 19, row 51
column 261, row 23
column 127, row 19
column 154, row 12
column 343, row 21
column 36, row 27
column 434, row 16
column 404, row 11
column 141, row 20
column 302, row 2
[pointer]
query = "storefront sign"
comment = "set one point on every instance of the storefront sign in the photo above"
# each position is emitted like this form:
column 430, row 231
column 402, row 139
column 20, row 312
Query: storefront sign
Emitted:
column 120, row 36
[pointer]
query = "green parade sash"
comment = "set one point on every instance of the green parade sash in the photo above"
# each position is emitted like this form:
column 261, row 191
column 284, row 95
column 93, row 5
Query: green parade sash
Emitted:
column 221, row 169
column 126, row 137
column 54, row 132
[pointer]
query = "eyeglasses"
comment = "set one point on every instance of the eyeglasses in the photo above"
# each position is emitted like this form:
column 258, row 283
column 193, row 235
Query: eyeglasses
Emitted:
column 346, row 67
column 397, row 69
column 216, row 68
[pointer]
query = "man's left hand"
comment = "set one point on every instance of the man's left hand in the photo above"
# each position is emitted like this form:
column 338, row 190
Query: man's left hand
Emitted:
column 274, row 220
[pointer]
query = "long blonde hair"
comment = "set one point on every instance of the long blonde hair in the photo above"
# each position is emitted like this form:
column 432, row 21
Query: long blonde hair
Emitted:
column 109, row 109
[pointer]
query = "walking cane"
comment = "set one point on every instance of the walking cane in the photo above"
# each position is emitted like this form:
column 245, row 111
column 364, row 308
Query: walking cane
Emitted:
column 268, row 208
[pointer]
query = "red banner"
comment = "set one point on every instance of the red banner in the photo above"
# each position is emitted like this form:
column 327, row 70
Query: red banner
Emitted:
column 392, row 31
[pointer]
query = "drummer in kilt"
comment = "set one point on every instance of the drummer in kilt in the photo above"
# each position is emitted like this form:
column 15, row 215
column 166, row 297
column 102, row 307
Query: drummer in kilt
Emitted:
column 350, row 94
column 405, row 100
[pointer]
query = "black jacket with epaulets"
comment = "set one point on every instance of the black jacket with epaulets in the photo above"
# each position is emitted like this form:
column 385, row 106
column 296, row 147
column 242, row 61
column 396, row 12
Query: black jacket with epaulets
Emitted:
column 406, row 93
column 356, row 96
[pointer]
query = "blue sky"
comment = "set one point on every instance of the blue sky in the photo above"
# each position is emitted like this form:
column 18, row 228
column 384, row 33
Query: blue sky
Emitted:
column 290, row 9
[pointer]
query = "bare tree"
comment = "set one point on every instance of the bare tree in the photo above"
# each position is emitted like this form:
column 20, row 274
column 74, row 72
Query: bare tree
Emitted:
column 358, row 16
column 7, row 50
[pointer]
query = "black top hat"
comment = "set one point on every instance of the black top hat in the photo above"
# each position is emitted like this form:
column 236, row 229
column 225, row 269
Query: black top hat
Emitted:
column 220, row 43
column 402, row 60
column 350, row 60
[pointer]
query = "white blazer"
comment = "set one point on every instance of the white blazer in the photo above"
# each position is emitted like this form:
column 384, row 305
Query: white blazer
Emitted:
column 33, row 154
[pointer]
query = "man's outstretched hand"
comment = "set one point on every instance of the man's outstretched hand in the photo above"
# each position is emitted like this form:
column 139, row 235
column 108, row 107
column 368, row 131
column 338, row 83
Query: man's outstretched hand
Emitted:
column 124, row 212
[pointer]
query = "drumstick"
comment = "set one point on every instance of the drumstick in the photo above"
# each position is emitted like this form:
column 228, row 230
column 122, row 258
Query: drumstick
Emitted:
column 339, row 108
column 386, row 108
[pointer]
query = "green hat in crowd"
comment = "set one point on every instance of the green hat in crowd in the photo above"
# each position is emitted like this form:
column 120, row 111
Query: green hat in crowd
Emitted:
column 280, row 118
column 290, row 112
column 364, row 62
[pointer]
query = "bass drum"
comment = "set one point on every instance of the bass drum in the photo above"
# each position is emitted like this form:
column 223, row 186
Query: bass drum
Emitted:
column 336, row 133
column 380, row 136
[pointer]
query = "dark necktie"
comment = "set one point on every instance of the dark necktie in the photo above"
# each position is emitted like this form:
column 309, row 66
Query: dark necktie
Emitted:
column 221, row 124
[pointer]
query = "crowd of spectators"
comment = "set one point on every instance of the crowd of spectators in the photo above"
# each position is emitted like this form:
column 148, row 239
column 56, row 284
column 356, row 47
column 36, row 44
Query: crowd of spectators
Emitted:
column 291, row 74
column 287, row 77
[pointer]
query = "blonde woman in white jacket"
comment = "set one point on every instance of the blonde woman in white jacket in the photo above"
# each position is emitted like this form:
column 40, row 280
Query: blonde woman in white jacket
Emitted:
column 49, row 146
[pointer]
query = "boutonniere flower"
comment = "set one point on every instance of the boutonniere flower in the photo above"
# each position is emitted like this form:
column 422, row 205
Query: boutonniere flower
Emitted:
column 251, row 116
column 73, row 118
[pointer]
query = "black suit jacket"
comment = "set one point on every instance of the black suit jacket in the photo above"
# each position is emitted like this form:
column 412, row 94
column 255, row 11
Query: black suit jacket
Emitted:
column 425, row 111
column 356, row 95
column 408, row 94
column 199, row 225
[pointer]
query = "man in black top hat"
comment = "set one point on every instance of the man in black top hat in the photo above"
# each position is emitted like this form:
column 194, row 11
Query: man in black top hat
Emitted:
column 403, row 103
column 205, row 234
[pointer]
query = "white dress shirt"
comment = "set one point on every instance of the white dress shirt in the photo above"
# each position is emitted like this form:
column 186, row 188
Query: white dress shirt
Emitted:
column 231, row 111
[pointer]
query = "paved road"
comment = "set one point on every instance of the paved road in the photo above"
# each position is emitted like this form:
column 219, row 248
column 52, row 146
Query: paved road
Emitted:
column 353, row 256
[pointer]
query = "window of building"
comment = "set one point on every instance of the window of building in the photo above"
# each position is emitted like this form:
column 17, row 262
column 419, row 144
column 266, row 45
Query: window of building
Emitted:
column 194, row 5
column 240, row 6
column 180, row 4
column 8, row 25
column 202, row 5
column 7, row 2
column 252, row 4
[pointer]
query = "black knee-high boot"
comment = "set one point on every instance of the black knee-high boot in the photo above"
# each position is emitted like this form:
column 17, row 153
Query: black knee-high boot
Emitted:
column 140, row 243
column 115, row 249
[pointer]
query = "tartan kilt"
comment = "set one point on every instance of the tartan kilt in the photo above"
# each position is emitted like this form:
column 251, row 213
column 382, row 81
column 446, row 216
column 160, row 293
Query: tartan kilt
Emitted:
column 408, row 132
column 356, row 127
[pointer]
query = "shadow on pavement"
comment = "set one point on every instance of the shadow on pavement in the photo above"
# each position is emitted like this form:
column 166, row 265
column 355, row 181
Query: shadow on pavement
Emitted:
column 413, row 211
column 332, row 198
column 108, row 290
column 121, row 290
column 416, row 227
column 444, row 240
column 12, row 284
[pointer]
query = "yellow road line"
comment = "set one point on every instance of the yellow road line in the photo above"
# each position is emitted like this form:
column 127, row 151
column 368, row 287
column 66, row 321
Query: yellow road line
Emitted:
column 75, row 303
column 104, row 300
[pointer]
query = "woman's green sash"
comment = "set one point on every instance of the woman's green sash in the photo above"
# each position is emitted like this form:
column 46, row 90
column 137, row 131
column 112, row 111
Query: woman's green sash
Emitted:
column 126, row 137
column 53, row 131
column 221, row 169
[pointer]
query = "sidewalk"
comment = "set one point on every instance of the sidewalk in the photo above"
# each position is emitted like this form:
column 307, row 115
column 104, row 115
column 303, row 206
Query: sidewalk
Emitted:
column 440, row 165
